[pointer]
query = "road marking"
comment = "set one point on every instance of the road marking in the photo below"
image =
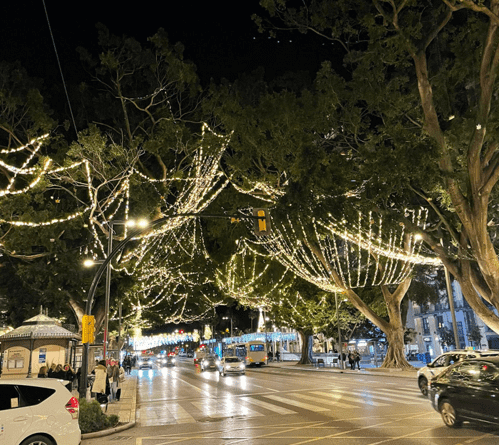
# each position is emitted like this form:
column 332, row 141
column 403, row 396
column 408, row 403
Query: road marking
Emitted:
column 275, row 408
column 222, row 410
column 298, row 404
column 356, row 399
column 335, row 402
column 180, row 414
column 388, row 399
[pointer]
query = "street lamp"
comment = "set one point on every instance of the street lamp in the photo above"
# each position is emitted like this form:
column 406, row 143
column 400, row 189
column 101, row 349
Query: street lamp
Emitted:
column 229, row 318
column 141, row 223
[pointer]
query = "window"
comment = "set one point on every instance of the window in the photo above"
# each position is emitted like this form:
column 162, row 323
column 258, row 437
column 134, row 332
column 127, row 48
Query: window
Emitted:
column 254, row 348
column 33, row 395
column 466, row 372
column 440, row 361
column 440, row 321
column 426, row 327
column 9, row 398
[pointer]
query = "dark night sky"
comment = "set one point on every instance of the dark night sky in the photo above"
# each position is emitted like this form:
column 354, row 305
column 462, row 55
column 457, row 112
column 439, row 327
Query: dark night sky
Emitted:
column 219, row 36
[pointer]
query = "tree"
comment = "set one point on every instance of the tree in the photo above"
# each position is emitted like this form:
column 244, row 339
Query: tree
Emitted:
column 417, row 82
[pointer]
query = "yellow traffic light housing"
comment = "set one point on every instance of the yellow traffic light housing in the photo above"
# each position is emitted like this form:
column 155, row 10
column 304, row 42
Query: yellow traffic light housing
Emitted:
column 88, row 329
column 262, row 222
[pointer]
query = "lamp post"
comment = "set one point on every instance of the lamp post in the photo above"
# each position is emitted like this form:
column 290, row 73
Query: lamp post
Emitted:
column 88, row 263
column 229, row 318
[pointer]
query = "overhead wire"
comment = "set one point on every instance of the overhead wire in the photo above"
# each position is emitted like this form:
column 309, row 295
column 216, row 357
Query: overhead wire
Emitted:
column 60, row 68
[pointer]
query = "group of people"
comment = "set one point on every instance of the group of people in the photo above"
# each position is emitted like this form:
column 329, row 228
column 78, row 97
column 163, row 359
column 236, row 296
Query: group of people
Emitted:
column 65, row 372
column 107, row 380
column 354, row 359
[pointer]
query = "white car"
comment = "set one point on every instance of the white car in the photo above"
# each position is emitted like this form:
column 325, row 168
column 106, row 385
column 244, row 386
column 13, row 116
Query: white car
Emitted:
column 231, row 365
column 442, row 362
column 38, row 412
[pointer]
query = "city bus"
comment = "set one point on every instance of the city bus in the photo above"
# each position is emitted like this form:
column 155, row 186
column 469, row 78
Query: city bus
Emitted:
column 252, row 352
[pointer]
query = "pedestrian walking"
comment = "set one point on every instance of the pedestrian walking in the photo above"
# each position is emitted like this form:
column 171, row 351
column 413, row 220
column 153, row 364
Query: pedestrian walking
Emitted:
column 114, row 381
column 127, row 363
column 351, row 360
column 101, row 381
column 356, row 357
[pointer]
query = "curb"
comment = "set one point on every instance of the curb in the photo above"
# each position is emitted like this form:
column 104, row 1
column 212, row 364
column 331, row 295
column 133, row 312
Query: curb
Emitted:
column 389, row 372
column 107, row 432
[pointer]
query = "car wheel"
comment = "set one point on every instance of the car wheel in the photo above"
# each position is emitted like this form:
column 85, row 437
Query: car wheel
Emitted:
column 423, row 386
column 37, row 440
column 449, row 415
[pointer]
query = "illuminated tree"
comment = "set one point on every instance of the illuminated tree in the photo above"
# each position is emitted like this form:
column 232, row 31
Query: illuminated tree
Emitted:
column 414, row 86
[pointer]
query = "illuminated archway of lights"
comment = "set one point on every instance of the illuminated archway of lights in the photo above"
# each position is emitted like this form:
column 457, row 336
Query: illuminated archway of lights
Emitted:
column 188, row 189
column 355, row 256
column 154, row 341
column 245, row 276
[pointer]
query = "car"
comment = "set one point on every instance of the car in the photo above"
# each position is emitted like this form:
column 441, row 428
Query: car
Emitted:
column 145, row 362
column 190, row 354
column 210, row 363
column 169, row 360
column 38, row 411
column 442, row 362
column 468, row 390
column 231, row 365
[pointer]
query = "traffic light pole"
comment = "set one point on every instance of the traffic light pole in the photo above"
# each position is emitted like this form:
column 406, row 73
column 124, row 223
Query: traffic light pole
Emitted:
column 104, row 266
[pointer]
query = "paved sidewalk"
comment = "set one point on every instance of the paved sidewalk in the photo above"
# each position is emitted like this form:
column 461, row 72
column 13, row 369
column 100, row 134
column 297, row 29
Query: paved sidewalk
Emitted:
column 410, row 374
column 124, row 408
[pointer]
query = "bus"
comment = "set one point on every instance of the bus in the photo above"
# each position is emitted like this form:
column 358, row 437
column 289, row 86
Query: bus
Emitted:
column 252, row 352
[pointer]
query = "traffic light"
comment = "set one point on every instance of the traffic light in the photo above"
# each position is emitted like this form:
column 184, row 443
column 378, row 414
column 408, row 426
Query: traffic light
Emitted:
column 88, row 329
column 262, row 222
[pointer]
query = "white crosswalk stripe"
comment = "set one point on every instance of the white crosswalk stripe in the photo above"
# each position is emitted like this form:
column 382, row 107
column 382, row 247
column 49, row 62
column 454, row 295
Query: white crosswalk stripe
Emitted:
column 180, row 414
column 331, row 399
column 269, row 406
column 339, row 395
column 373, row 395
column 306, row 406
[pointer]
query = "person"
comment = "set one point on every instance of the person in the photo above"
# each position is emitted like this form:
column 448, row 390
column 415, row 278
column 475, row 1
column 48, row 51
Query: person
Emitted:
column 59, row 373
column 127, row 363
column 43, row 372
column 351, row 360
column 70, row 375
column 356, row 357
column 51, row 370
column 114, row 380
column 278, row 355
column 271, row 356
column 101, row 381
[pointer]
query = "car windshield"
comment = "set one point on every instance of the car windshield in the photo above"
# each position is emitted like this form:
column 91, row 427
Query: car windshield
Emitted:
column 232, row 360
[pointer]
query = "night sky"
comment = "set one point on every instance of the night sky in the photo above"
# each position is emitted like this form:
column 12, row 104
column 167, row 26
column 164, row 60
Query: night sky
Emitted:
column 219, row 36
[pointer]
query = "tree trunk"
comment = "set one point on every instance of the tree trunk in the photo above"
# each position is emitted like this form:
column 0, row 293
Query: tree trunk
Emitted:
column 395, row 357
column 306, row 342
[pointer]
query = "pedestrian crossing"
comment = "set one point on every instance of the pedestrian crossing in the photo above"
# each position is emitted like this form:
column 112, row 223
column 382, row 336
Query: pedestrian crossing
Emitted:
column 327, row 401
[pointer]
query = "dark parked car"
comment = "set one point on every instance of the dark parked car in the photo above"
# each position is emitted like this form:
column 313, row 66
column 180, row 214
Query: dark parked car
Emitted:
column 210, row 363
column 468, row 390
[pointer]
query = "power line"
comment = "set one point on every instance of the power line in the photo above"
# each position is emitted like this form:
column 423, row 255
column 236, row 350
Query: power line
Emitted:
column 60, row 69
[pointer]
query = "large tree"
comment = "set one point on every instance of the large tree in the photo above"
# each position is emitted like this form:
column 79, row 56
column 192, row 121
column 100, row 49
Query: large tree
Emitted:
column 418, row 81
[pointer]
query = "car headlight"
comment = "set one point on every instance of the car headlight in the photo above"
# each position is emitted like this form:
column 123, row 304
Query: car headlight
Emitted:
column 205, row 362
column 217, row 362
column 241, row 365
column 173, row 360
column 140, row 363
column 163, row 361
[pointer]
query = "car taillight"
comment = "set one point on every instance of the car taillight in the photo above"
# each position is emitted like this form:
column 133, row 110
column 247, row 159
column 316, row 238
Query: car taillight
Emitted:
column 73, row 407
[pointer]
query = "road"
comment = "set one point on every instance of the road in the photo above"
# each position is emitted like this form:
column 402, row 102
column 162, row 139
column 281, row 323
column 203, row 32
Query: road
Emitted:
column 282, row 406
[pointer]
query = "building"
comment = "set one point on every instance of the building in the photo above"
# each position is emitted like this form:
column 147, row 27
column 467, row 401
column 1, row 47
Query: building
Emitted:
column 432, row 322
column 40, row 341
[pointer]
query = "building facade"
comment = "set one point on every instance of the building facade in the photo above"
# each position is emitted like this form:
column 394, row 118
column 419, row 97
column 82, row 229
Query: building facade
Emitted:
column 433, row 326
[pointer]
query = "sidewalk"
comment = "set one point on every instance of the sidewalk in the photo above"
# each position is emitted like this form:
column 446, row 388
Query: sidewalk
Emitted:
column 394, row 372
column 125, row 408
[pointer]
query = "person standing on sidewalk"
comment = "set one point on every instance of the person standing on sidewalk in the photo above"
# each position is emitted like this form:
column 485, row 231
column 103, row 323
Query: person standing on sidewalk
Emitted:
column 356, row 357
